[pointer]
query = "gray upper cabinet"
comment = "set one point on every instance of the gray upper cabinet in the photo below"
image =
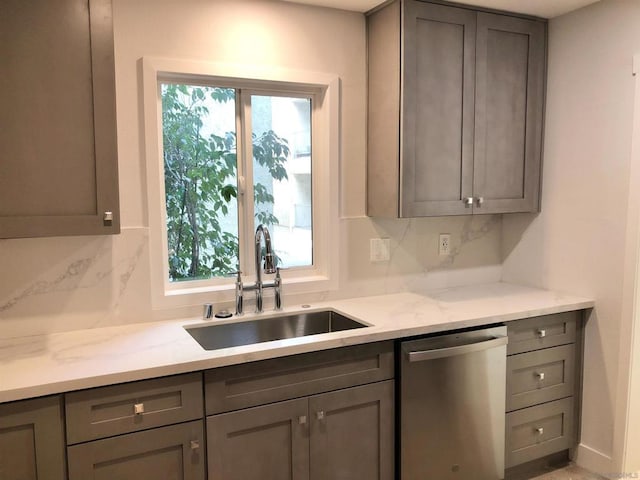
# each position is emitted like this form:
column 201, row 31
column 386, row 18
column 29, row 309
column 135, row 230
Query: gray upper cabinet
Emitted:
column 58, row 170
column 455, row 100
column 510, row 76
column 32, row 440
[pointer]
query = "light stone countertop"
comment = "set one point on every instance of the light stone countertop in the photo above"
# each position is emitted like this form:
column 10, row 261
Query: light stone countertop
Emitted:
column 47, row 364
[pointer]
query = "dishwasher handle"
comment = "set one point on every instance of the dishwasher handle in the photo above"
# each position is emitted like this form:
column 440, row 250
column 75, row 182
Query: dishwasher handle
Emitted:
column 421, row 355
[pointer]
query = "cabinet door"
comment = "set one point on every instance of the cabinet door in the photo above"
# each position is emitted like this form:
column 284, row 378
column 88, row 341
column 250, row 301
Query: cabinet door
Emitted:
column 438, row 102
column 58, row 160
column 510, row 73
column 167, row 453
column 32, row 440
column 262, row 443
column 352, row 433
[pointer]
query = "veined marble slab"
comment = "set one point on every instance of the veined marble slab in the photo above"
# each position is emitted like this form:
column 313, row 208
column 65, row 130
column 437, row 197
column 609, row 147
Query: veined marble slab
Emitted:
column 60, row 362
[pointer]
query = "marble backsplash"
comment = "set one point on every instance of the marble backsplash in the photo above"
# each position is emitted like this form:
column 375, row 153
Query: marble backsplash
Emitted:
column 70, row 283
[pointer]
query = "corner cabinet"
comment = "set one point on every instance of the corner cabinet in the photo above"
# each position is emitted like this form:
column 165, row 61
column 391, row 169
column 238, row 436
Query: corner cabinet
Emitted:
column 455, row 111
column 58, row 167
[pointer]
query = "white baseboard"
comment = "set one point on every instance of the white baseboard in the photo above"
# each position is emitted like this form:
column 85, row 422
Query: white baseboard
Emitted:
column 594, row 461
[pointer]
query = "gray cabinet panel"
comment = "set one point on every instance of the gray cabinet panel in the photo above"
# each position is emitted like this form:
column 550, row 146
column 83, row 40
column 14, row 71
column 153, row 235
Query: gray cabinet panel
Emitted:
column 438, row 98
column 510, row 62
column 167, row 453
column 538, row 431
column 383, row 126
column 262, row 443
column 32, row 440
column 106, row 411
column 540, row 376
column 352, row 433
column 542, row 332
column 250, row 384
column 58, row 173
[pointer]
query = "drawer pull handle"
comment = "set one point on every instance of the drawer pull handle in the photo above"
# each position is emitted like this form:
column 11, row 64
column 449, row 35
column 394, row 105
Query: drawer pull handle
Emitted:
column 138, row 408
column 320, row 415
column 540, row 430
column 195, row 444
column 540, row 376
column 542, row 333
column 302, row 419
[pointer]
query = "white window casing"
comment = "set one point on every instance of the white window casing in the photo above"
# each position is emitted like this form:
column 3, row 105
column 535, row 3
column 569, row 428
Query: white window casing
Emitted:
column 324, row 91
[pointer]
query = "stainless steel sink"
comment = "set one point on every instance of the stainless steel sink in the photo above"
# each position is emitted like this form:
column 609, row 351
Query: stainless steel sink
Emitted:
column 226, row 335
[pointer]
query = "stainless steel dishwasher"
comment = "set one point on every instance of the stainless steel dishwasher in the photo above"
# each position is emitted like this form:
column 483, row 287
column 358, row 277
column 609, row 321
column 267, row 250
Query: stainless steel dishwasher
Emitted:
column 452, row 406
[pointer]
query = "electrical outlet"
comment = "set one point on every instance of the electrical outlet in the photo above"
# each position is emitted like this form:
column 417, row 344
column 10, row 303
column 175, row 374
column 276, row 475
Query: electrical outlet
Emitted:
column 379, row 249
column 444, row 244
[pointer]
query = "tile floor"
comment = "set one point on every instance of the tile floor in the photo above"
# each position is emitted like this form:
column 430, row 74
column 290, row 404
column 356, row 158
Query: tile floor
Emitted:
column 570, row 472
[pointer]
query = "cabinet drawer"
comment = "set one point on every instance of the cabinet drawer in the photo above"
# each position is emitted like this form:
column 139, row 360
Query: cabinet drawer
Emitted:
column 540, row 376
column 114, row 410
column 247, row 385
column 542, row 332
column 174, row 452
column 538, row 431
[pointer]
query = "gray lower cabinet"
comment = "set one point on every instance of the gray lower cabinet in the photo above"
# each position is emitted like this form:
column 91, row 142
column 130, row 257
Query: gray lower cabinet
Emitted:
column 32, row 440
column 58, row 149
column 544, row 365
column 455, row 110
column 269, row 442
column 326, row 414
column 176, row 452
column 352, row 433
column 344, row 435
column 146, row 429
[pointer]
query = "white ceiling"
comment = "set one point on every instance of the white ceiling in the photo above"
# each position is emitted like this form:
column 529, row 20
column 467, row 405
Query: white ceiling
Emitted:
column 539, row 8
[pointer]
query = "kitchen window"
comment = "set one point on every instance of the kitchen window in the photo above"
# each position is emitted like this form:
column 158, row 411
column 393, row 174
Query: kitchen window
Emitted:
column 226, row 153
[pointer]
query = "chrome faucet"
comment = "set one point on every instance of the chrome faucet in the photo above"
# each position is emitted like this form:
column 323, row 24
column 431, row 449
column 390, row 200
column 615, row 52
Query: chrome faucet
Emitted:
column 262, row 232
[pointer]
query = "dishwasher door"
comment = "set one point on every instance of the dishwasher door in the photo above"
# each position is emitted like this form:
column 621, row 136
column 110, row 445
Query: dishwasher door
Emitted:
column 452, row 406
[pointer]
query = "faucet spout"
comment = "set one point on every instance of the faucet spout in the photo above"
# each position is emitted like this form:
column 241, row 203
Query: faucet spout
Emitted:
column 269, row 265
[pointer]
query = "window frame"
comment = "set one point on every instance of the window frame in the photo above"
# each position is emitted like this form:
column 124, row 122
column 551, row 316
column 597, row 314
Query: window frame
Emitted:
column 323, row 89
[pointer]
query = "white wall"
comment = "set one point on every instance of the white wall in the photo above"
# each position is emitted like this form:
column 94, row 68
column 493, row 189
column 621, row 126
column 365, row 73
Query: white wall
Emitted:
column 578, row 242
column 60, row 284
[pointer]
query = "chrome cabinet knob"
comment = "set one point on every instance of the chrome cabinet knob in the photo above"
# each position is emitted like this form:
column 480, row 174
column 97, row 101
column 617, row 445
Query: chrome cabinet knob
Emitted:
column 195, row 444
column 540, row 375
column 320, row 415
column 479, row 201
column 302, row 419
column 138, row 408
column 542, row 333
column 539, row 430
column 468, row 202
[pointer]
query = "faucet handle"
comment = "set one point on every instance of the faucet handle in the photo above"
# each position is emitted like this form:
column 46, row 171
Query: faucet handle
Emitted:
column 277, row 283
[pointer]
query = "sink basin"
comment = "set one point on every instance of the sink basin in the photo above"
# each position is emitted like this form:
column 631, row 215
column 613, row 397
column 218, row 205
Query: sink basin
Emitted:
column 226, row 335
